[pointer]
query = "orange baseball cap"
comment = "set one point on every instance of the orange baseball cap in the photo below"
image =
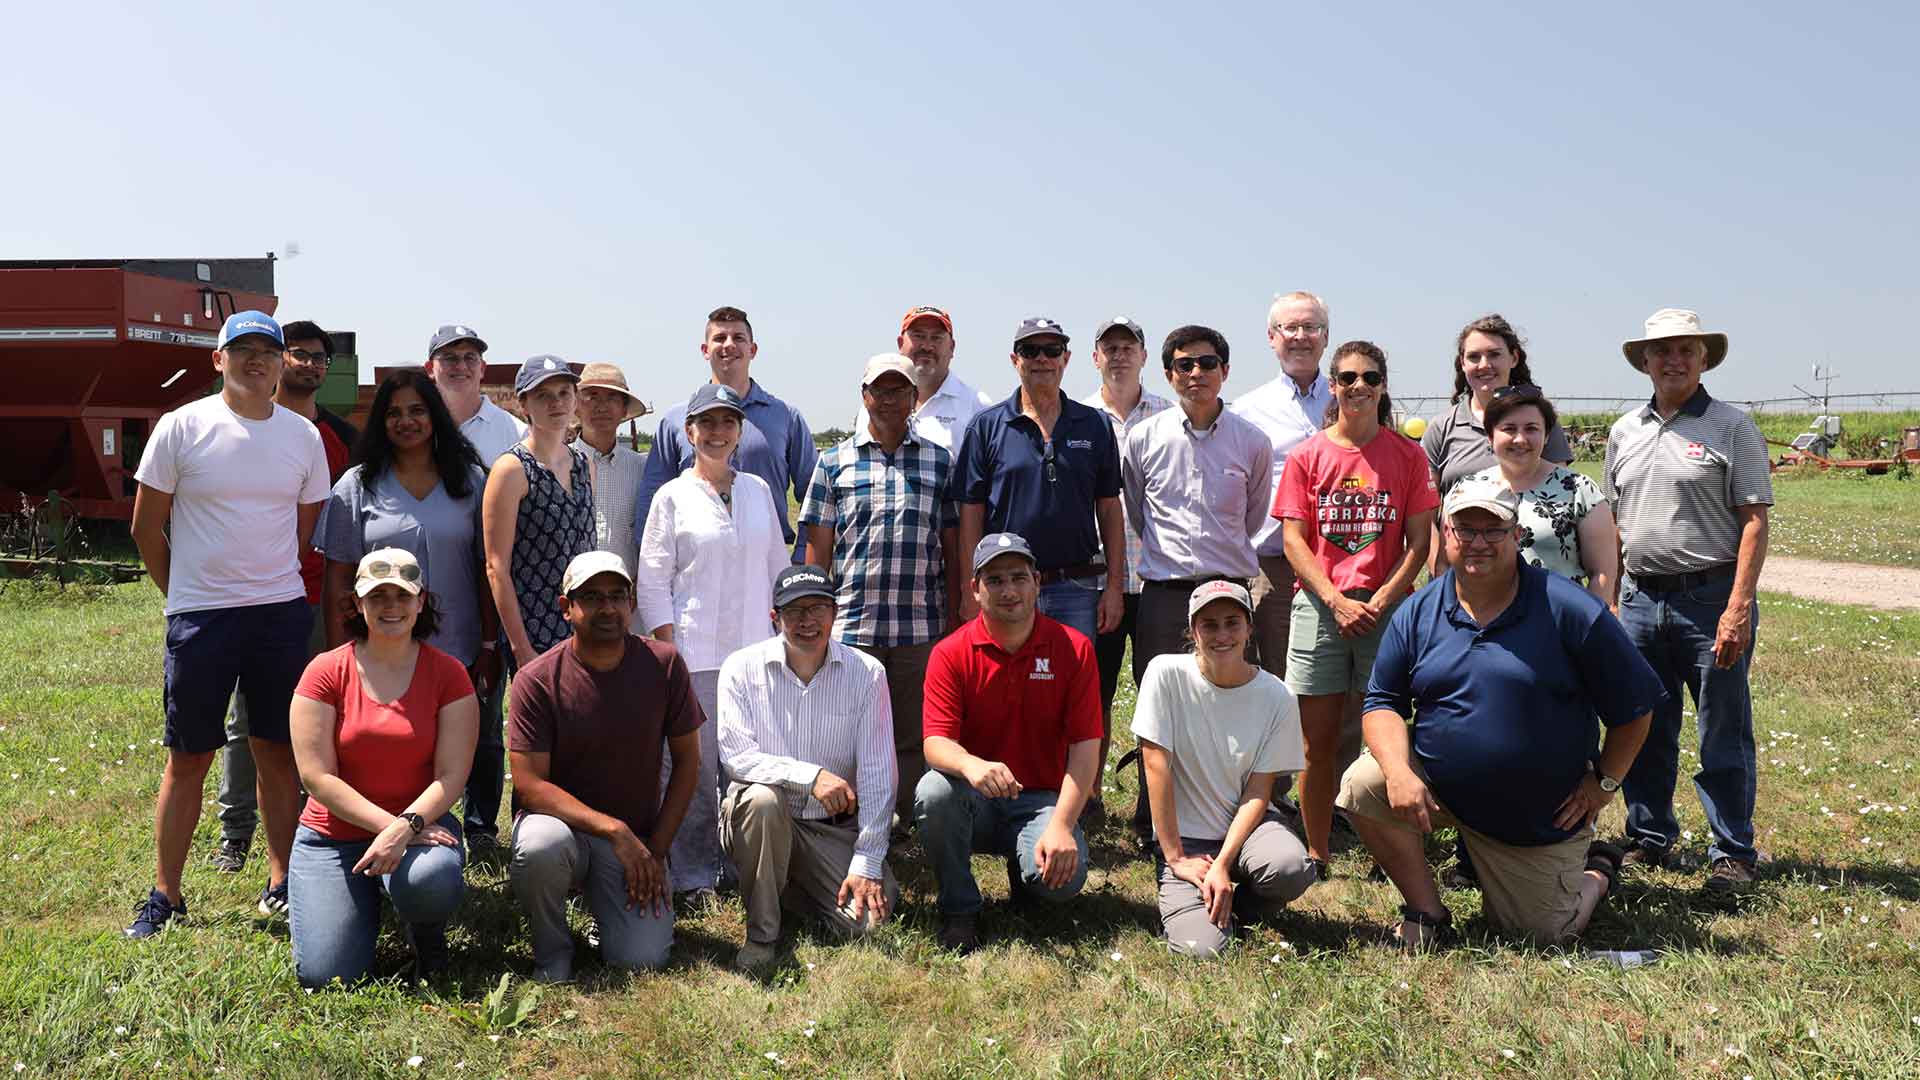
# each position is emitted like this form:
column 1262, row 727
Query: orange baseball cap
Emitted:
column 925, row 312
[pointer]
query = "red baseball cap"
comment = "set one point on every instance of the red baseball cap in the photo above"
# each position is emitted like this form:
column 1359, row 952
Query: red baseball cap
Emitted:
column 925, row 312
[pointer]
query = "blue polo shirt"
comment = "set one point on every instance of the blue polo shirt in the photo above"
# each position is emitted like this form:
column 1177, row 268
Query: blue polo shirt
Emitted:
column 1044, row 493
column 1504, row 714
column 775, row 446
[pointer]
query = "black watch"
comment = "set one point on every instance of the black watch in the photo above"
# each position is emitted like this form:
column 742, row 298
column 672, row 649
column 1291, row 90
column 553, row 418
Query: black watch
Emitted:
column 414, row 821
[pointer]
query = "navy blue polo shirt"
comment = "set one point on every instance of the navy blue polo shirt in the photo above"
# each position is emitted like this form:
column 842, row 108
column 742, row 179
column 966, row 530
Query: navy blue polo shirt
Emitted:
column 1044, row 493
column 1504, row 715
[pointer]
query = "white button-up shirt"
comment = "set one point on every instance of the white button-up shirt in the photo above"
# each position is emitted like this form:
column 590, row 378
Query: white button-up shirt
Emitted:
column 492, row 431
column 1197, row 496
column 616, row 492
column 943, row 419
column 1148, row 405
column 707, row 573
column 779, row 731
column 1288, row 417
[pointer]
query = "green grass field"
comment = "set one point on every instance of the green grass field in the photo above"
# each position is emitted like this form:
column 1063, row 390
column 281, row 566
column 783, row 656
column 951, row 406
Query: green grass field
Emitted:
column 1815, row 975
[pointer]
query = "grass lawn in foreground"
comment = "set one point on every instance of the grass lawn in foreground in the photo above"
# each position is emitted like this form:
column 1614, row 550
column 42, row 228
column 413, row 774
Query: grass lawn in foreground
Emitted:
column 1815, row 975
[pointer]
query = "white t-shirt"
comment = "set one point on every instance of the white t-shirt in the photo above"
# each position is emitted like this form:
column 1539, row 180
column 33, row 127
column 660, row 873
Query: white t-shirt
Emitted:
column 492, row 430
column 237, row 487
column 1216, row 738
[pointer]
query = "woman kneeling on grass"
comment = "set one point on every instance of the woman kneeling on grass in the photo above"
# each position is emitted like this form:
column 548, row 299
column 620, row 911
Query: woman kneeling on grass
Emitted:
column 1215, row 731
column 383, row 732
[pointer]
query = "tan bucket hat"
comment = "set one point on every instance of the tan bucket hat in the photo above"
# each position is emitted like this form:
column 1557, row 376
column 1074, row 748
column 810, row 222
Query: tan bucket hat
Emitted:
column 1673, row 323
column 610, row 377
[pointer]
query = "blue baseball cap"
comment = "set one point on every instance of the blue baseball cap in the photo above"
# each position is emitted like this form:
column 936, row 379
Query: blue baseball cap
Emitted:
column 715, row 396
column 241, row 323
column 539, row 369
column 451, row 333
column 995, row 545
column 1038, row 326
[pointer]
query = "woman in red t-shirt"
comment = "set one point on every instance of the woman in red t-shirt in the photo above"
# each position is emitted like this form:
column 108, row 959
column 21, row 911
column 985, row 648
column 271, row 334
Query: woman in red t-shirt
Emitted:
column 1357, row 501
column 383, row 732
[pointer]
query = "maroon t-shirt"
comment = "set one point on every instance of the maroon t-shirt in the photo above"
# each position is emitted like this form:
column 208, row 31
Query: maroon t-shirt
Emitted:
column 606, row 730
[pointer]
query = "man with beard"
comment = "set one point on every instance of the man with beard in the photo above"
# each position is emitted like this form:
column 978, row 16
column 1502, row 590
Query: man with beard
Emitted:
column 590, row 719
column 943, row 404
column 309, row 354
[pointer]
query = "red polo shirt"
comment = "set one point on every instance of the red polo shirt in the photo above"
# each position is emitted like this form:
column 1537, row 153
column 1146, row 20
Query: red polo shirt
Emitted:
column 1021, row 709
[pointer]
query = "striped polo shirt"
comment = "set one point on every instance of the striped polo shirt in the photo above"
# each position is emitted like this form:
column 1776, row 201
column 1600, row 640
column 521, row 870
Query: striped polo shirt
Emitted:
column 1675, row 484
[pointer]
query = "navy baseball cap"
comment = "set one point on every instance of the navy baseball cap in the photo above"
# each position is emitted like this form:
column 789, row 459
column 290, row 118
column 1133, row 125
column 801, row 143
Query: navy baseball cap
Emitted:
column 241, row 323
column 1139, row 333
column 795, row 582
column 715, row 396
column 995, row 545
column 451, row 333
column 1037, row 326
column 539, row 369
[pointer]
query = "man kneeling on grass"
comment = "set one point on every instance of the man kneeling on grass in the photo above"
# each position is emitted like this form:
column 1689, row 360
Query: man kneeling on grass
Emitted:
column 1505, row 668
column 588, row 724
column 1012, row 724
column 806, row 734
column 1215, row 731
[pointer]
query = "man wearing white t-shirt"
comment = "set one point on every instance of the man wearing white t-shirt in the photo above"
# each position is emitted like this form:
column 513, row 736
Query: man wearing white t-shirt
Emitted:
column 240, row 480
column 457, row 364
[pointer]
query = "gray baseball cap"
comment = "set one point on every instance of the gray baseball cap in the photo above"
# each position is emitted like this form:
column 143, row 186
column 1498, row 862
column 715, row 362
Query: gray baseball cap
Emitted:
column 1139, row 332
column 451, row 333
column 995, row 545
column 539, row 369
column 713, row 396
column 1038, row 326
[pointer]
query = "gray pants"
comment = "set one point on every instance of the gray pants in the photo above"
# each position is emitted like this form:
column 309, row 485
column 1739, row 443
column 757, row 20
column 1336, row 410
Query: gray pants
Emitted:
column 695, row 861
column 549, row 858
column 790, row 863
column 239, row 802
column 1271, row 870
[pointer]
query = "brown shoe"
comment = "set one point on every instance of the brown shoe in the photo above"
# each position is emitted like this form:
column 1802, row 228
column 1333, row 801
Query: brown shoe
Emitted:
column 1640, row 856
column 960, row 933
column 1730, row 875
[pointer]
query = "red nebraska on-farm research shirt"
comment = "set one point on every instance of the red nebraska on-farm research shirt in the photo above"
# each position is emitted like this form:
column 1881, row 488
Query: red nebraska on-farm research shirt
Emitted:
column 1356, row 503
column 1022, row 709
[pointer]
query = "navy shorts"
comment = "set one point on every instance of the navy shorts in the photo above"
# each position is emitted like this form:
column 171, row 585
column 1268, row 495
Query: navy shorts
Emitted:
column 262, row 649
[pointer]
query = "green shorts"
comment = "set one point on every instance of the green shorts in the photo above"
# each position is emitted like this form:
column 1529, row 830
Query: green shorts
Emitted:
column 1319, row 660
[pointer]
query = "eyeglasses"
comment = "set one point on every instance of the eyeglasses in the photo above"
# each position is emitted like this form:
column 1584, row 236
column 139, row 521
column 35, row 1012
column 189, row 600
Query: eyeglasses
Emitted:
column 453, row 359
column 1028, row 352
column 1480, row 536
column 819, row 611
column 1524, row 390
column 382, row 569
column 318, row 359
column 244, row 353
column 1300, row 329
column 593, row 598
column 1205, row 362
column 1348, row 378
column 890, row 394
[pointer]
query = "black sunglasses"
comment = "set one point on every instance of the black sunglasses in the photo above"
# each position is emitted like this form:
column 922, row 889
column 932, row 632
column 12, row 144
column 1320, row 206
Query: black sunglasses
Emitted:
column 1028, row 352
column 1348, row 378
column 1205, row 362
column 1525, row 390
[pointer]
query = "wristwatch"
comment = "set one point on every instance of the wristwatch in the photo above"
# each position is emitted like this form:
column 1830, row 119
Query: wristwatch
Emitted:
column 418, row 824
column 1607, row 783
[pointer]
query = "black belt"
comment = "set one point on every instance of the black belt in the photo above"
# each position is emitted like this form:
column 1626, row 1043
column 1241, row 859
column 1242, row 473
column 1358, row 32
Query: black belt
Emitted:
column 1063, row 573
column 1190, row 584
column 1682, row 582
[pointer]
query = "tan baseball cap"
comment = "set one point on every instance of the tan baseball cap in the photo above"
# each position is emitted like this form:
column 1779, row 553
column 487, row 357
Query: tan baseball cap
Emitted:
column 610, row 377
column 388, row 566
column 888, row 362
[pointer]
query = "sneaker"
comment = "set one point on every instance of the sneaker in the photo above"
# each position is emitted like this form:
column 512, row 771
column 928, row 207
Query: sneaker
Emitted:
column 273, row 900
column 755, row 958
column 1641, row 856
column 1730, row 875
column 482, row 845
column 429, row 944
column 231, row 858
column 960, row 933
column 152, row 916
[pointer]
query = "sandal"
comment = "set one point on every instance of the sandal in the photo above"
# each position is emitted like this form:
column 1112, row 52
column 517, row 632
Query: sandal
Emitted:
column 1605, row 859
column 1429, row 932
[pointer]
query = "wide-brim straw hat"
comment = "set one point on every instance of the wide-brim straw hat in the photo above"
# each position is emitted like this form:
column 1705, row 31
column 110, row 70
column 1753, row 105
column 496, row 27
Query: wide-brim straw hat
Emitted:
column 1673, row 323
column 610, row 377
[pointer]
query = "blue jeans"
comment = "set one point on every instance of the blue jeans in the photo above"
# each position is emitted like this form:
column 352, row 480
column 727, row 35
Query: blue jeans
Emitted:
column 1674, row 632
column 334, row 914
column 955, row 821
column 480, row 811
column 1075, row 602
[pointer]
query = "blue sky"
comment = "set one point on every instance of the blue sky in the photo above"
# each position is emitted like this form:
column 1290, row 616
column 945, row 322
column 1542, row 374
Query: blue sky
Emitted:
column 589, row 179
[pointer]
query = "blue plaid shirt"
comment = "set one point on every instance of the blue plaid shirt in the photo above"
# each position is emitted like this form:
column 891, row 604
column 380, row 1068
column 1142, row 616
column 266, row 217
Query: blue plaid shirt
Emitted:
column 886, row 512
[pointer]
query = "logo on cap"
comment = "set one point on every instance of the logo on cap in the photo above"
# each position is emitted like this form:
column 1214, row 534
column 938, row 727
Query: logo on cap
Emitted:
column 463, row 330
column 1006, row 541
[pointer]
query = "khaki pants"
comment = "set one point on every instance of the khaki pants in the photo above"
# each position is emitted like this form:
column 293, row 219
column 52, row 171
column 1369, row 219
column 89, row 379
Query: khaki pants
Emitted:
column 1529, row 890
column 906, row 689
column 791, row 864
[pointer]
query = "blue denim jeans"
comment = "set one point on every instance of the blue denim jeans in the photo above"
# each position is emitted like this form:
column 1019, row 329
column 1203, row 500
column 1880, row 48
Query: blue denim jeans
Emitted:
column 1075, row 602
column 333, row 913
column 1674, row 632
column 955, row 821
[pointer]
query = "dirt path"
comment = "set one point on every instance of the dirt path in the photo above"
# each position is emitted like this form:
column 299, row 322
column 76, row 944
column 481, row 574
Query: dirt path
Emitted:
column 1891, row 588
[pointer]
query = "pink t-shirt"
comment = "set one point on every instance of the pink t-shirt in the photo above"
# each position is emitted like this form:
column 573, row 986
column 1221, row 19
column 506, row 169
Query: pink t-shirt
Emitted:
column 385, row 752
column 1356, row 503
